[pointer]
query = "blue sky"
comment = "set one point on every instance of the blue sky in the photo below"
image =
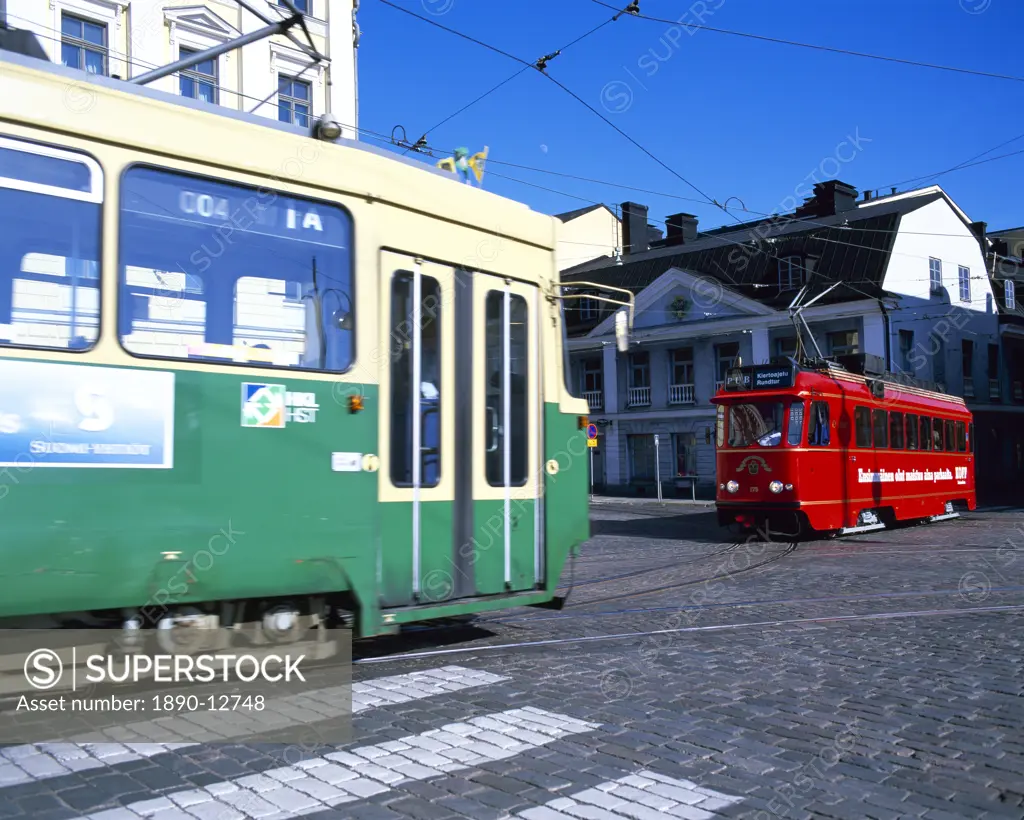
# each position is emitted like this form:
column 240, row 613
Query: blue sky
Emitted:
column 736, row 117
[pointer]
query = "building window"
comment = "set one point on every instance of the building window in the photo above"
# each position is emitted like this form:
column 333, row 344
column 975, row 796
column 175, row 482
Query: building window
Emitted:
column 906, row 346
column 791, row 273
column 686, row 453
column 935, row 275
column 682, row 366
column 1010, row 294
column 844, row 342
column 588, row 310
column 786, row 347
column 640, row 370
column 293, row 98
column 965, row 284
column 301, row 5
column 200, row 81
column 591, row 377
column 641, row 457
column 967, row 364
column 726, row 356
column 83, row 44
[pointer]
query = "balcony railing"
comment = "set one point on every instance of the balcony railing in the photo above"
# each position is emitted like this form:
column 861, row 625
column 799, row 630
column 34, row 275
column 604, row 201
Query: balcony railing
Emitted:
column 968, row 387
column 594, row 398
column 681, row 394
column 993, row 390
column 639, row 397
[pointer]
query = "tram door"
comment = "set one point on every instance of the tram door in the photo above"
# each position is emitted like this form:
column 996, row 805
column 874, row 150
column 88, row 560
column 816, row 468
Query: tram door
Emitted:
column 506, row 425
column 461, row 520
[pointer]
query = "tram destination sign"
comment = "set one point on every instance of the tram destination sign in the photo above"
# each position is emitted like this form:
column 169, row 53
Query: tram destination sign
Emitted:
column 760, row 377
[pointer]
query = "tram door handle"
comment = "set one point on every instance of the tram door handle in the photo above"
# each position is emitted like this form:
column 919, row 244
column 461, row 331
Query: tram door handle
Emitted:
column 495, row 429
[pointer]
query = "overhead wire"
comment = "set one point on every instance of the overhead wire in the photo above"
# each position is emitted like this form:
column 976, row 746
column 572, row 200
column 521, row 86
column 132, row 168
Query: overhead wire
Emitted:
column 817, row 47
column 389, row 140
column 523, row 70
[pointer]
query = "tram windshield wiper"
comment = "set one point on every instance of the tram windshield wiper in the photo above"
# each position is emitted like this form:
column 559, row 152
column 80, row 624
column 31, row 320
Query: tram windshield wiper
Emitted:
column 760, row 422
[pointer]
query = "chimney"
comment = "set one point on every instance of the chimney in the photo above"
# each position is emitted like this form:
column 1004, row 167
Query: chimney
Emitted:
column 682, row 228
column 867, row 196
column 635, row 238
column 830, row 198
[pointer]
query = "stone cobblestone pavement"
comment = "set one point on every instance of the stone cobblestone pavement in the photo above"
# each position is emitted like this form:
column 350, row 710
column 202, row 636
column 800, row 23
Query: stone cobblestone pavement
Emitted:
column 880, row 676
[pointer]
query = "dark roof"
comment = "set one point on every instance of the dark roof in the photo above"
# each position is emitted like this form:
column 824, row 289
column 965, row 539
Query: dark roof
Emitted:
column 852, row 247
column 569, row 215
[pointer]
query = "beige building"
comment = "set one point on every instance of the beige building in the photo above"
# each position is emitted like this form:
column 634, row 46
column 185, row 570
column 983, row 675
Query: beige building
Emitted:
column 586, row 234
column 127, row 38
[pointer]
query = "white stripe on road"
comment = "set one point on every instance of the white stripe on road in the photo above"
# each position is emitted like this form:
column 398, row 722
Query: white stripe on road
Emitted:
column 643, row 796
column 344, row 777
column 134, row 741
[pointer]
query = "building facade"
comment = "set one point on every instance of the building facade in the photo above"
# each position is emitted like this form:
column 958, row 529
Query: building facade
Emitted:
column 905, row 277
column 271, row 77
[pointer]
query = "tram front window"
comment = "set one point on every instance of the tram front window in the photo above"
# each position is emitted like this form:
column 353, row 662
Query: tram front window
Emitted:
column 759, row 422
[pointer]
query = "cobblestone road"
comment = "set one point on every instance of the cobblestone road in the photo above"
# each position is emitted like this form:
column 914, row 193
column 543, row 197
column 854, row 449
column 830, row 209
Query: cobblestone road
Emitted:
column 878, row 676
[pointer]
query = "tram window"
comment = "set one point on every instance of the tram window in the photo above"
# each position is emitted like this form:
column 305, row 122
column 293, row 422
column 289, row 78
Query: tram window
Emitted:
column 50, row 203
column 950, row 437
column 937, row 434
column 795, row 434
column 818, row 433
column 862, row 423
column 926, row 433
column 759, row 422
column 970, row 437
column 227, row 273
column 495, row 390
column 961, row 437
column 911, row 432
column 896, row 431
column 403, row 337
column 880, row 427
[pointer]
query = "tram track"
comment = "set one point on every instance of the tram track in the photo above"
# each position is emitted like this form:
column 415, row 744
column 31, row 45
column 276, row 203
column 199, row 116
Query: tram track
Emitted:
column 581, row 639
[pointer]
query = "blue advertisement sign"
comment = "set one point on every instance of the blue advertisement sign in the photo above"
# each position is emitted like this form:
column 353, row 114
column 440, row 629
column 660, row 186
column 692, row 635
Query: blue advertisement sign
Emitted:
column 64, row 415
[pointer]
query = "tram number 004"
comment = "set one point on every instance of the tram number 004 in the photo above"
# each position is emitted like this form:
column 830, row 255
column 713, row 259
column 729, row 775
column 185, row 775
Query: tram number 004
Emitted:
column 204, row 205
column 961, row 473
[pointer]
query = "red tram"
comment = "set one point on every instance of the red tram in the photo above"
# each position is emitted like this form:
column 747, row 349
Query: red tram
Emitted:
column 838, row 449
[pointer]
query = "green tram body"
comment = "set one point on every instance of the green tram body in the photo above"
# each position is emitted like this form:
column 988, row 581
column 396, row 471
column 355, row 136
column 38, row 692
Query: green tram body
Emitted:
column 238, row 510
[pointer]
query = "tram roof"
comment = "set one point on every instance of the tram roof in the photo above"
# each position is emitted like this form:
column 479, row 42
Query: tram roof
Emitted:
column 148, row 119
column 908, row 390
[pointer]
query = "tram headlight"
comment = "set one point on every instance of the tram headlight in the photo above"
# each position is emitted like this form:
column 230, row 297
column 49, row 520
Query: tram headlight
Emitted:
column 775, row 486
column 732, row 486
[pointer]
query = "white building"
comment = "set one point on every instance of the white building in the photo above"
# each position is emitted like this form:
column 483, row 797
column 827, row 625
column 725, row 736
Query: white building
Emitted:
column 127, row 38
column 915, row 291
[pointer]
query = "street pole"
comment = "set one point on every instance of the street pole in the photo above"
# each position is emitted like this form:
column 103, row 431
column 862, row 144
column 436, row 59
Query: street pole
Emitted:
column 657, row 464
column 591, row 473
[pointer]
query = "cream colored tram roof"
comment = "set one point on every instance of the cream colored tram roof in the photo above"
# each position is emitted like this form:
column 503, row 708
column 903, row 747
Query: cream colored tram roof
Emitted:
column 40, row 93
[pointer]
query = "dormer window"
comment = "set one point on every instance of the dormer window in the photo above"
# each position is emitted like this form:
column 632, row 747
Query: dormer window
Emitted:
column 791, row 273
column 588, row 309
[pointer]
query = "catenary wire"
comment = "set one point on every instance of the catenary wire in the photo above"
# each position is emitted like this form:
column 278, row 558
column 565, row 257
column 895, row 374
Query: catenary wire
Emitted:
column 508, row 80
column 816, row 47
column 388, row 140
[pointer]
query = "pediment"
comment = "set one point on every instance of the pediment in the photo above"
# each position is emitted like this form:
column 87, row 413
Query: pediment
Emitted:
column 201, row 20
column 704, row 298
